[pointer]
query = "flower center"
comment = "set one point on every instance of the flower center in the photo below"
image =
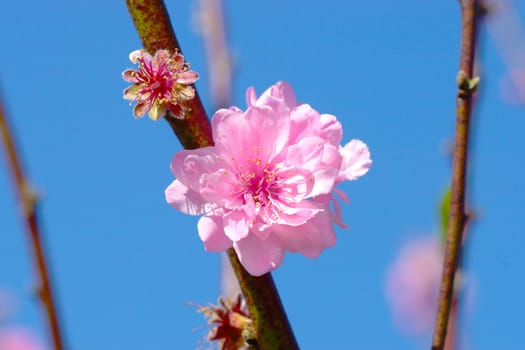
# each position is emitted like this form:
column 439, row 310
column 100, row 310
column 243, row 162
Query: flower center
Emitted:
column 258, row 183
column 156, row 82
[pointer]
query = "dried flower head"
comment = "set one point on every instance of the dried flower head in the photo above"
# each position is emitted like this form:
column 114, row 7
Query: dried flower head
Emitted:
column 161, row 83
column 230, row 321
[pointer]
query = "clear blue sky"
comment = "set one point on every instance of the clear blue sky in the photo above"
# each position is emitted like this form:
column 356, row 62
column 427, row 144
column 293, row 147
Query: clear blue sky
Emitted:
column 125, row 263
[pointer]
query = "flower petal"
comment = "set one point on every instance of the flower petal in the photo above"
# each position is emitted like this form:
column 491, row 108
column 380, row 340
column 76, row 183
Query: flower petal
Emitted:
column 187, row 77
column 130, row 75
column 309, row 239
column 132, row 92
column 219, row 187
column 251, row 97
column 212, row 234
column 189, row 165
column 336, row 214
column 183, row 93
column 230, row 131
column 296, row 214
column 157, row 111
column 140, row 109
column 356, row 160
column 206, row 173
column 279, row 96
column 236, row 225
column 134, row 56
column 257, row 256
column 306, row 121
column 303, row 120
column 295, row 184
column 330, row 128
column 187, row 200
column 322, row 159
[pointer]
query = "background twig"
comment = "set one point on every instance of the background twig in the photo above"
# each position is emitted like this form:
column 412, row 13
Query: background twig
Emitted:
column 28, row 201
column 211, row 26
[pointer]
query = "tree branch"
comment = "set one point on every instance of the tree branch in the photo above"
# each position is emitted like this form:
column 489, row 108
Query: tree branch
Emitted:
column 467, row 85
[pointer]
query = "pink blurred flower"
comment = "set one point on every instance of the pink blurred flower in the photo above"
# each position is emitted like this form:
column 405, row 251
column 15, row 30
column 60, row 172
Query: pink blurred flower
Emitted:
column 413, row 284
column 161, row 83
column 18, row 338
column 506, row 28
column 512, row 87
column 265, row 186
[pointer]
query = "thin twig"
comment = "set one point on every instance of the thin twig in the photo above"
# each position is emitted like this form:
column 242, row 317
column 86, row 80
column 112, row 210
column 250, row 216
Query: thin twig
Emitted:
column 466, row 87
column 28, row 201
column 212, row 27
column 273, row 330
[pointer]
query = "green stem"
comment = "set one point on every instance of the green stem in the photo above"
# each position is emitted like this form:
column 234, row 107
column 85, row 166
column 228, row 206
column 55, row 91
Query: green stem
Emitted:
column 273, row 330
column 457, row 220
column 28, row 201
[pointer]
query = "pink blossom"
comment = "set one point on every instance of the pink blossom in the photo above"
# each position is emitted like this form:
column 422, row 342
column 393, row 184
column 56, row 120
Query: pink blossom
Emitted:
column 18, row 338
column 161, row 83
column 266, row 185
column 413, row 284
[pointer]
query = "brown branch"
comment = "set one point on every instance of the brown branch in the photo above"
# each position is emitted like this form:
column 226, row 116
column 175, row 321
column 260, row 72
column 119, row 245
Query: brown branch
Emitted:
column 273, row 330
column 28, row 201
column 466, row 87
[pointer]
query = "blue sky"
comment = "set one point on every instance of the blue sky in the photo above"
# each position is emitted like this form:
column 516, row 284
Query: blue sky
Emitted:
column 125, row 263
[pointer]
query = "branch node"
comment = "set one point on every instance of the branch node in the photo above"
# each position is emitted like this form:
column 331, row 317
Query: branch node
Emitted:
column 29, row 199
column 467, row 86
column 250, row 337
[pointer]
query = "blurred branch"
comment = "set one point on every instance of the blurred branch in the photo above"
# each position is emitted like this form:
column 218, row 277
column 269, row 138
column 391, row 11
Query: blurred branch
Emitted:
column 28, row 201
column 210, row 23
column 271, row 324
column 467, row 85
column 212, row 28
